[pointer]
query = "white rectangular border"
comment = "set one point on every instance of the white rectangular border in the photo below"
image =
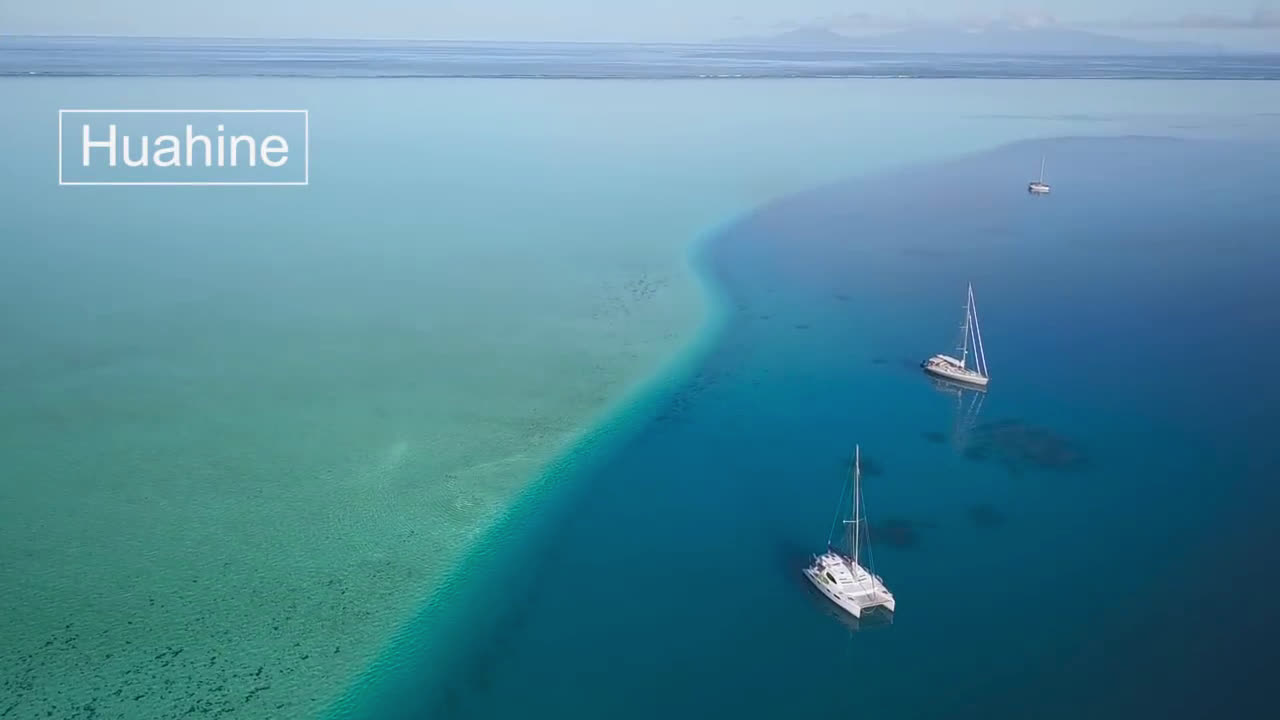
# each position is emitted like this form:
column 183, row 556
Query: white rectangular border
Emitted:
column 306, row 158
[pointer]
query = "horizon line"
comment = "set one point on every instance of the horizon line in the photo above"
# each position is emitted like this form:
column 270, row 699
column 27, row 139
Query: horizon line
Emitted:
column 761, row 40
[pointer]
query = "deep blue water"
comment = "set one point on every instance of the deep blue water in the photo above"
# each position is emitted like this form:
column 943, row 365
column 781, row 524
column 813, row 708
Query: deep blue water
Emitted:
column 1094, row 539
column 141, row 56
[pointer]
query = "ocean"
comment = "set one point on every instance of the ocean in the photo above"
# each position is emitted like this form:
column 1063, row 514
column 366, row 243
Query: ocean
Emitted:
column 537, row 398
column 1088, row 537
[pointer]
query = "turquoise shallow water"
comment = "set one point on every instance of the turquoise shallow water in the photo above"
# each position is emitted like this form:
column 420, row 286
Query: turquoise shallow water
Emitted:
column 1092, row 540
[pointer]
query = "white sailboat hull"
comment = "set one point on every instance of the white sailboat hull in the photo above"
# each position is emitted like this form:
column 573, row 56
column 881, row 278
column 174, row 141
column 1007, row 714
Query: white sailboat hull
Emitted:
column 948, row 368
column 849, row 585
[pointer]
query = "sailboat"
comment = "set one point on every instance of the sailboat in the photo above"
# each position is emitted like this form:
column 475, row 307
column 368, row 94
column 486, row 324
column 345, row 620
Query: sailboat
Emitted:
column 957, row 370
column 842, row 578
column 1039, row 187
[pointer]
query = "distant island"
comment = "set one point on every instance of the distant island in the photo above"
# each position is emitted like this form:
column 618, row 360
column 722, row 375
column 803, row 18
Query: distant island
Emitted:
column 993, row 39
column 801, row 53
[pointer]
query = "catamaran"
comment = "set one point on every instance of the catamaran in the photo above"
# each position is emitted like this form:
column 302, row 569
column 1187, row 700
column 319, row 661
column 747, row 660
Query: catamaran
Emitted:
column 842, row 578
column 957, row 370
column 1039, row 187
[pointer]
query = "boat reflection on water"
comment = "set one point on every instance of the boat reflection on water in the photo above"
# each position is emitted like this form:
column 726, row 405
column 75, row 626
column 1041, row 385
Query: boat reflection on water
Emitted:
column 967, row 409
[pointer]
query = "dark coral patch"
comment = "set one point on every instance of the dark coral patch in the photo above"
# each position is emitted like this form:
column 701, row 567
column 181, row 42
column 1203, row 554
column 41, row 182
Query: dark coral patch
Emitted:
column 1019, row 446
column 871, row 468
column 897, row 533
column 986, row 516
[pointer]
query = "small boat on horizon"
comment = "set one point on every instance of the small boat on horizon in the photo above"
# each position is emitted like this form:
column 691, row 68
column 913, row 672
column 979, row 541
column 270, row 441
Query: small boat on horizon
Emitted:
column 842, row 578
column 957, row 369
column 1039, row 187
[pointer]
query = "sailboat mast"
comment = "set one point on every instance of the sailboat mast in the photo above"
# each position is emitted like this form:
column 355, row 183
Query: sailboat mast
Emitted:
column 977, row 336
column 964, row 342
column 857, row 497
column 1042, row 169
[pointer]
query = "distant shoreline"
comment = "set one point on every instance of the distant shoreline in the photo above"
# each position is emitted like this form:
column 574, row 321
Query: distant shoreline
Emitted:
column 638, row 78
column 97, row 56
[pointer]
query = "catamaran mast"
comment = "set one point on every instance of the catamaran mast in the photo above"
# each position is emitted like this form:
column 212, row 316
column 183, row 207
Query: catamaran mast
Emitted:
column 857, row 496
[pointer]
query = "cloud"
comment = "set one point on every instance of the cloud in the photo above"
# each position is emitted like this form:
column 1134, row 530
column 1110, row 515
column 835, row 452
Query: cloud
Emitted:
column 865, row 21
column 847, row 21
column 1260, row 19
column 1028, row 18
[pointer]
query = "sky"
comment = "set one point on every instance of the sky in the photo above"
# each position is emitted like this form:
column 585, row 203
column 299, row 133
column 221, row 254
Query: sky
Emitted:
column 1252, row 24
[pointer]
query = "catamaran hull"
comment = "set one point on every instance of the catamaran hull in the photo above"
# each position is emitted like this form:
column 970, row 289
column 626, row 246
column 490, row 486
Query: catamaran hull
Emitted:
column 974, row 381
column 871, row 592
column 841, row 602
